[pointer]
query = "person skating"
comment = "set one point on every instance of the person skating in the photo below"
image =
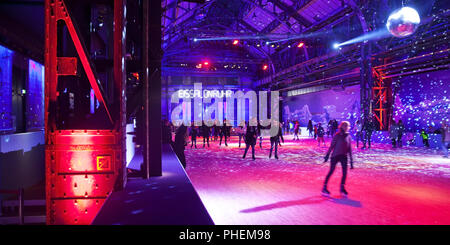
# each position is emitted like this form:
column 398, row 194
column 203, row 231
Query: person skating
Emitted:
column 240, row 130
column 224, row 133
column 206, row 131
column 216, row 130
column 281, row 135
column 260, row 136
column 425, row 138
column 445, row 136
column 296, row 130
column 274, row 141
column 359, row 133
column 393, row 133
column 401, row 130
column 334, row 127
column 194, row 136
column 310, row 128
column 320, row 134
column 250, row 140
column 340, row 149
column 315, row 131
column 368, row 128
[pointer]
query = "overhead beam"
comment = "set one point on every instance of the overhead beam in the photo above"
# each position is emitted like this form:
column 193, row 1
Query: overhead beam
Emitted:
column 293, row 12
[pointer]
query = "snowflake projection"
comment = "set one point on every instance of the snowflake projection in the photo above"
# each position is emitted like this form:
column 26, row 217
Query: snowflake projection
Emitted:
column 422, row 101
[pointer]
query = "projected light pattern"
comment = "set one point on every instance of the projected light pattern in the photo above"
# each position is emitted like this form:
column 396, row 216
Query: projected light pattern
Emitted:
column 35, row 96
column 422, row 101
column 6, row 56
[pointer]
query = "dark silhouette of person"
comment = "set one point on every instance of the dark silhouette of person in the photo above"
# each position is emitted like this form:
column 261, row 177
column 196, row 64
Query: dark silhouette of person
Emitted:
column 310, row 128
column 166, row 132
column 401, row 130
column 359, row 133
column 194, row 136
column 368, row 128
column 320, row 134
column 206, row 131
column 180, row 143
column 340, row 147
column 250, row 140
column 274, row 141
column 224, row 132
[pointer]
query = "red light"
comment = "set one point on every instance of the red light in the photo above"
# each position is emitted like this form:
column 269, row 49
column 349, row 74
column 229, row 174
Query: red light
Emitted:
column 265, row 67
column 206, row 63
column 235, row 42
column 300, row 45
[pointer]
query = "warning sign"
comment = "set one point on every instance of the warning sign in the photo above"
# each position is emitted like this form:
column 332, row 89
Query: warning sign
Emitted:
column 104, row 163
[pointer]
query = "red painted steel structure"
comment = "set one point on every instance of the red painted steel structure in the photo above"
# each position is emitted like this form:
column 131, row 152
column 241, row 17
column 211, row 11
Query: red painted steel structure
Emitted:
column 82, row 166
column 381, row 98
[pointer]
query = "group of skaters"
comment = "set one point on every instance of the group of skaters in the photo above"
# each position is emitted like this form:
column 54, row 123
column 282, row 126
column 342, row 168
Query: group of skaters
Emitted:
column 363, row 131
column 339, row 151
column 215, row 132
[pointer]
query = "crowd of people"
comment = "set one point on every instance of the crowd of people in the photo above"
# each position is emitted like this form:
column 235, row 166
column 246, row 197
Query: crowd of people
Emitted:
column 340, row 149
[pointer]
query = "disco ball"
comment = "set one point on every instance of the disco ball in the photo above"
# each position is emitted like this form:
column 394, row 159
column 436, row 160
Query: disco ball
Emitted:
column 403, row 22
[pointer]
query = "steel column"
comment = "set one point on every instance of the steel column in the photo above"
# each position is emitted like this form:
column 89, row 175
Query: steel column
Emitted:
column 152, row 87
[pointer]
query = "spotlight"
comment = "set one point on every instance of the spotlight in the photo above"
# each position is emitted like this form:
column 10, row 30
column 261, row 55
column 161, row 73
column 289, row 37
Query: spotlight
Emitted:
column 235, row 42
column 265, row 67
column 301, row 44
column 336, row 46
column 195, row 39
column 206, row 63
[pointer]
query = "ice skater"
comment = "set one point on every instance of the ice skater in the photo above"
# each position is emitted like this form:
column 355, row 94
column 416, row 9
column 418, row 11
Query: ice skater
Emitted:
column 310, row 128
column 425, row 138
column 250, row 140
column 445, row 136
column 393, row 133
column 340, row 147
column 240, row 130
column 275, row 140
column 368, row 128
column 194, row 136
column 320, row 134
column 401, row 130
column 296, row 130
column 224, row 133
column 359, row 133
column 206, row 131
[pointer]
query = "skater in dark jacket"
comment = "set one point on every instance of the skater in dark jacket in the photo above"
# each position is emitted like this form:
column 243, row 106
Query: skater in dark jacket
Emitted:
column 224, row 132
column 401, row 130
column 194, row 136
column 206, row 131
column 250, row 140
column 275, row 140
column 310, row 128
column 368, row 128
column 320, row 134
column 340, row 148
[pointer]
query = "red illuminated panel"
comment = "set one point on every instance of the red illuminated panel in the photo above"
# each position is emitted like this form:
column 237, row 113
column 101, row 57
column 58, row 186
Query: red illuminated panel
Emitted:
column 87, row 186
column 75, row 211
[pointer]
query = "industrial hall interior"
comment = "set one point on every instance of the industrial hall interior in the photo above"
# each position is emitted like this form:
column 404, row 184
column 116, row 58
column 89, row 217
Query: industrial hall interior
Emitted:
column 224, row 112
